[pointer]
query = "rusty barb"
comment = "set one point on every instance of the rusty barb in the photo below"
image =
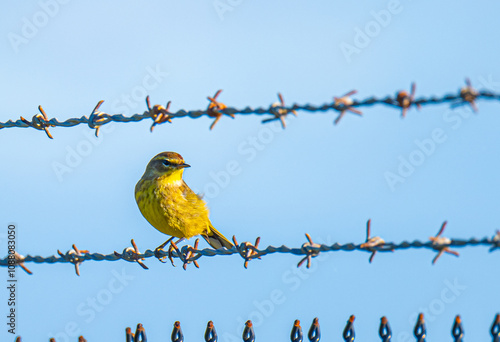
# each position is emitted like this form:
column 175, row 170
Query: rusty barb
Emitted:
column 248, row 251
column 343, row 104
column 372, row 242
column 40, row 122
column 314, row 335
column 441, row 244
column 468, row 95
column 19, row 261
column 132, row 254
column 96, row 118
column 278, row 110
column 405, row 100
column 216, row 109
column 74, row 256
column 311, row 250
column 158, row 113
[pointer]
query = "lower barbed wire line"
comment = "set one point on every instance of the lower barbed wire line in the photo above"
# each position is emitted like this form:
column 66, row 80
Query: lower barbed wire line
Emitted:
column 307, row 251
column 159, row 114
column 248, row 333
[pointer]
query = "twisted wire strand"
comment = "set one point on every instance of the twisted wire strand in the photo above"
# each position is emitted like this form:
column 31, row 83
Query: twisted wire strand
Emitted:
column 215, row 109
column 247, row 251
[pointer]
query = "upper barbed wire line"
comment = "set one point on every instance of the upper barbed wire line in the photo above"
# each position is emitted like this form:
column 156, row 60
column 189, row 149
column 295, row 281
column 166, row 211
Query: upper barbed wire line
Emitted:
column 401, row 100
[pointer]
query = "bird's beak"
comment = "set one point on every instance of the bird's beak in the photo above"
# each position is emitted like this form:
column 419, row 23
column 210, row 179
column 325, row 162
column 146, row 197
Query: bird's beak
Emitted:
column 184, row 165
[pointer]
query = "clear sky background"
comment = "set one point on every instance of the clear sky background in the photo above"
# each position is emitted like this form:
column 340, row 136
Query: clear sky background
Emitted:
column 313, row 177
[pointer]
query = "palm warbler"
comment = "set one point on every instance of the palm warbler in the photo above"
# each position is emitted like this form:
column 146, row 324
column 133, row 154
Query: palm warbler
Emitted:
column 171, row 206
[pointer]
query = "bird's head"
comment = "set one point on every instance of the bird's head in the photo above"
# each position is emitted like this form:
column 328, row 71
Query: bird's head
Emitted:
column 168, row 165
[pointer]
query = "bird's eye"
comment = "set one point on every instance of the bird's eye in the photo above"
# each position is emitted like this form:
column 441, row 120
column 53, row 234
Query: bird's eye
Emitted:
column 167, row 163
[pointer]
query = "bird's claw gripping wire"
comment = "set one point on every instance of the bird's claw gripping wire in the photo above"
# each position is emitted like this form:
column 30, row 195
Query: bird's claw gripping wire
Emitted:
column 159, row 253
column 371, row 242
column 216, row 109
column 349, row 333
column 96, row 118
column 405, row 100
column 75, row 256
column 210, row 333
column 19, row 261
column 384, row 331
column 187, row 255
column 158, row 113
column 310, row 253
column 248, row 332
column 246, row 250
column 344, row 104
column 420, row 331
column 132, row 254
column 441, row 243
column 314, row 334
column 279, row 111
column 40, row 122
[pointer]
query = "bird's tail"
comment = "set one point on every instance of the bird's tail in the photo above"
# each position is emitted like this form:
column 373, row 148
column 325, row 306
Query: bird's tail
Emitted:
column 216, row 239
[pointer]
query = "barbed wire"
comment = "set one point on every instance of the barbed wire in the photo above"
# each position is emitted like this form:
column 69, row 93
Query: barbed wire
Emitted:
column 248, row 251
column 278, row 111
column 314, row 333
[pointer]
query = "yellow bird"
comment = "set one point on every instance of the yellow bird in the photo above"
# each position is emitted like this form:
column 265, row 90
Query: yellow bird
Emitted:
column 170, row 206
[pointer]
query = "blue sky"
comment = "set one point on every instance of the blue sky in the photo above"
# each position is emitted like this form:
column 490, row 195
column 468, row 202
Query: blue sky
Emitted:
column 313, row 177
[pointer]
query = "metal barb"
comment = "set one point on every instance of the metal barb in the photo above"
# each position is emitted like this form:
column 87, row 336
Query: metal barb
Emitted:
column 177, row 335
column 210, row 333
column 96, row 117
column 441, row 244
column 216, row 109
column 468, row 95
column 158, row 113
column 306, row 247
column 314, row 334
column 132, row 254
column 349, row 333
column 279, row 111
column 420, row 331
column 496, row 241
column 372, row 242
column 129, row 335
column 457, row 331
column 343, row 104
column 140, row 334
column 248, row 332
column 296, row 334
column 384, row 330
column 405, row 100
column 19, row 261
column 40, row 122
column 247, row 251
column 495, row 329
column 74, row 256
column 187, row 254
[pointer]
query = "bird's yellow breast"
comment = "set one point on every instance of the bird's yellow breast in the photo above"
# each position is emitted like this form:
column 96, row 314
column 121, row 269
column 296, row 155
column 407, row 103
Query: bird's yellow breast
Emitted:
column 172, row 207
